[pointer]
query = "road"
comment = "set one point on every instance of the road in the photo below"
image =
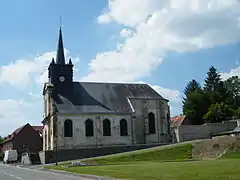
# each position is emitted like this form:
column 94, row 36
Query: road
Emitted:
column 9, row 172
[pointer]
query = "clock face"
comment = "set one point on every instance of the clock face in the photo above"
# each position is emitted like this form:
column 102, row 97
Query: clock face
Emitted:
column 61, row 78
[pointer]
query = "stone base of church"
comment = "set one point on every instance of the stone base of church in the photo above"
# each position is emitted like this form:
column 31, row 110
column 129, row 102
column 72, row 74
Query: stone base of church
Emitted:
column 72, row 154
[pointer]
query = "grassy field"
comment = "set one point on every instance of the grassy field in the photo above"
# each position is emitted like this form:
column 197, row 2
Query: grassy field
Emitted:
column 154, row 164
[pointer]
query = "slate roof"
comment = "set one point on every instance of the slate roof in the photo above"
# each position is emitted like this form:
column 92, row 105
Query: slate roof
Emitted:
column 95, row 97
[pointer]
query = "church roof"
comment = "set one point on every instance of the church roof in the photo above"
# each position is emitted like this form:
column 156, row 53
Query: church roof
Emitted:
column 94, row 97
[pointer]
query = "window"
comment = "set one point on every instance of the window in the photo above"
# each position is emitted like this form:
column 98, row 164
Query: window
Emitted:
column 151, row 123
column 123, row 127
column 106, row 127
column 68, row 128
column 89, row 128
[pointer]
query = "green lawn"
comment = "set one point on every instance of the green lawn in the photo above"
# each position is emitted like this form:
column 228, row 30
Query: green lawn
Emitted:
column 231, row 155
column 153, row 164
column 172, row 153
column 196, row 170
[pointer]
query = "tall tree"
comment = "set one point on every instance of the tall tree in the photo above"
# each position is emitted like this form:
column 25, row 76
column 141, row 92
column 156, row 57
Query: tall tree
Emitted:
column 233, row 87
column 212, row 80
column 192, row 86
column 195, row 106
column 194, row 102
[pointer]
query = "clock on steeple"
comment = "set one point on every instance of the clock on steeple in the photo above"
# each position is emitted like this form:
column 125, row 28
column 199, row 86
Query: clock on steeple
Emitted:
column 60, row 74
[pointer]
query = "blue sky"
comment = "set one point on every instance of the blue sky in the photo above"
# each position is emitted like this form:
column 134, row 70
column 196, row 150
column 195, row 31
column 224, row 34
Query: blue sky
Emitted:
column 164, row 44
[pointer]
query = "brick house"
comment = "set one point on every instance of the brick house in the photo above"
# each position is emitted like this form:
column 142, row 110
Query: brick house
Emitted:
column 24, row 138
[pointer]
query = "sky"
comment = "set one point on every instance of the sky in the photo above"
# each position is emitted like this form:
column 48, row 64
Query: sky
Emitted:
column 164, row 43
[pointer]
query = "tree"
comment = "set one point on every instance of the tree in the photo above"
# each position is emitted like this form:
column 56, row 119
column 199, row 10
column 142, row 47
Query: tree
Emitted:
column 218, row 112
column 1, row 139
column 195, row 106
column 192, row 86
column 233, row 88
column 212, row 80
column 213, row 85
column 237, row 113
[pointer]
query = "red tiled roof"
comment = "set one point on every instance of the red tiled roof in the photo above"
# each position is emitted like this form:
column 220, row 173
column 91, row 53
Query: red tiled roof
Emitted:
column 177, row 120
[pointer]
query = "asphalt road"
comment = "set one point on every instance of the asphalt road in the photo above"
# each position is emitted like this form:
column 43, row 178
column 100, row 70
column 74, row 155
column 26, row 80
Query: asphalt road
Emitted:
column 9, row 172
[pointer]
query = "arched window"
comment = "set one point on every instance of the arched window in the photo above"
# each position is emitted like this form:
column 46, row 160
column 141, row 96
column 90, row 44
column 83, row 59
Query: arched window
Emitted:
column 151, row 123
column 123, row 127
column 89, row 128
column 68, row 128
column 106, row 127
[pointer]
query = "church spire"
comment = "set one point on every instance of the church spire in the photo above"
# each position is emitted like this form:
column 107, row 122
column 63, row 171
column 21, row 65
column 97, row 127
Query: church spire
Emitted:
column 60, row 59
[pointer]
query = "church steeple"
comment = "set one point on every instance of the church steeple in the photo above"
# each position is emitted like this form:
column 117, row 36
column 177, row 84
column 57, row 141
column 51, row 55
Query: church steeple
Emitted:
column 60, row 73
column 60, row 59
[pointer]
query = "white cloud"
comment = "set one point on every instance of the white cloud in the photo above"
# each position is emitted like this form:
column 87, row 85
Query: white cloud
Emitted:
column 126, row 33
column 162, row 26
column 23, row 71
column 232, row 72
column 105, row 18
column 13, row 114
column 174, row 97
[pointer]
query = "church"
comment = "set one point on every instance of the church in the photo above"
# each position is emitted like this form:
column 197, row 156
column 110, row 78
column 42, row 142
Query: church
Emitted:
column 90, row 115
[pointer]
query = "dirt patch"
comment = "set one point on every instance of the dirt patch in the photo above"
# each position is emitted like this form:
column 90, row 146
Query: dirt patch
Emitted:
column 214, row 148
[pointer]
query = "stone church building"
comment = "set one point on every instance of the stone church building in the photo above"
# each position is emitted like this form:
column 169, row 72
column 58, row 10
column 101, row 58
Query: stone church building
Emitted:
column 94, row 115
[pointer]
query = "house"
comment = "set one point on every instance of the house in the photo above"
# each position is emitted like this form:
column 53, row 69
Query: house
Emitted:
column 96, row 115
column 26, row 137
column 179, row 120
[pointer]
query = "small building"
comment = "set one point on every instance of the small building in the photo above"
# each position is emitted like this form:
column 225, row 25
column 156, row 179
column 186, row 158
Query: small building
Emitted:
column 24, row 138
column 179, row 120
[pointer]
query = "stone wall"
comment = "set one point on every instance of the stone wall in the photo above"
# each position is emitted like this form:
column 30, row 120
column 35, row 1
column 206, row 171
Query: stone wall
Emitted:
column 140, row 124
column 192, row 132
column 79, row 138
column 73, row 154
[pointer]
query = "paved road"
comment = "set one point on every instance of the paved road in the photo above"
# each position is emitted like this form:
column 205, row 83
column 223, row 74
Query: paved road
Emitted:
column 9, row 172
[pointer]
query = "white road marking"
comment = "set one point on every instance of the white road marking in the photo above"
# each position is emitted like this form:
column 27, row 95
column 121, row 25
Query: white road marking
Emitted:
column 8, row 174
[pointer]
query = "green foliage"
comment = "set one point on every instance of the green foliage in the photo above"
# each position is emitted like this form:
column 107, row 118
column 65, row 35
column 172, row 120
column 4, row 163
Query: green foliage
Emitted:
column 192, row 86
column 195, row 107
column 233, row 87
column 237, row 113
column 218, row 112
column 212, row 81
column 1, row 139
column 219, row 100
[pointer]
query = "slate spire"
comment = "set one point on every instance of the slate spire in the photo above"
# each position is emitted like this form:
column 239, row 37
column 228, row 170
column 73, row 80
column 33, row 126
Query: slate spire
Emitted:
column 60, row 59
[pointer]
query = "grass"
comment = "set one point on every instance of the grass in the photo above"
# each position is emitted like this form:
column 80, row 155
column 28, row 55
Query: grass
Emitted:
column 172, row 153
column 195, row 170
column 231, row 155
column 153, row 164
